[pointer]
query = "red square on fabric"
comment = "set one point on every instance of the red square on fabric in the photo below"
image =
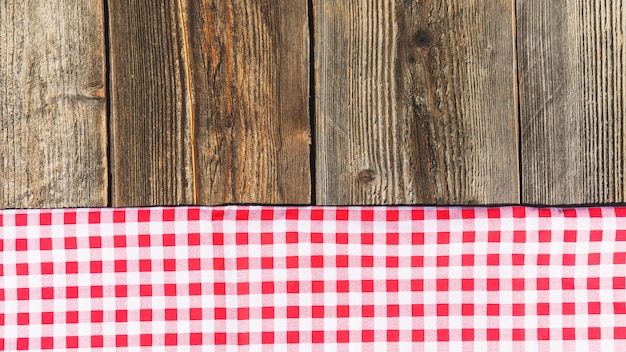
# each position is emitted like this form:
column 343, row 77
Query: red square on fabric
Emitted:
column 119, row 216
column 144, row 240
column 193, row 239
column 594, row 308
column 69, row 217
column 243, row 338
column 392, row 215
column 71, row 342
column 443, row 335
column 317, row 336
column 143, row 215
column 194, row 214
column 292, row 262
column 220, row 313
column 367, row 311
column 47, row 343
column 44, row 244
column 220, row 338
column 171, row 314
column 21, row 219
column 594, row 333
column 568, row 308
column 242, row 314
column 317, row 214
column 569, row 334
column 21, row 244
column 595, row 235
column 46, row 318
column 47, row 268
column 71, row 317
column 170, row 214
column 293, row 312
column 47, row 293
column 97, row 341
column 318, row 311
column 343, row 311
column 145, row 340
column 343, row 286
column 416, row 335
column 267, row 338
column 195, row 339
column 71, row 292
column 266, row 313
column 122, row 340
column 169, row 240
column 343, row 336
column 70, row 243
column 569, row 236
column 45, row 218
column 493, row 213
column 341, row 214
column 119, row 241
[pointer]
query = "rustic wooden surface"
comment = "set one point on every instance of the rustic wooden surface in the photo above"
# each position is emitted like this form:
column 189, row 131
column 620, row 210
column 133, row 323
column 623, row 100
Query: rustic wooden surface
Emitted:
column 249, row 66
column 416, row 102
column 151, row 145
column 571, row 60
column 52, row 104
column 209, row 102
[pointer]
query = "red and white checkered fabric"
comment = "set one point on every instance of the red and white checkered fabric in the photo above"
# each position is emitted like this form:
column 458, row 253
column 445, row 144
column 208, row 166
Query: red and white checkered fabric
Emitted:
column 314, row 279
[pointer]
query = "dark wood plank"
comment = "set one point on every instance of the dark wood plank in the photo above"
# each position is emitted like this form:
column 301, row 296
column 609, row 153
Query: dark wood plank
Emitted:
column 210, row 102
column 52, row 104
column 416, row 102
column 151, row 147
column 571, row 60
column 250, row 82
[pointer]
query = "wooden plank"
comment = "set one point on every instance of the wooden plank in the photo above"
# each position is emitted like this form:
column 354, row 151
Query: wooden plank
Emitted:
column 52, row 104
column 416, row 102
column 151, row 152
column 571, row 60
column 249, row 63
column 217, row 111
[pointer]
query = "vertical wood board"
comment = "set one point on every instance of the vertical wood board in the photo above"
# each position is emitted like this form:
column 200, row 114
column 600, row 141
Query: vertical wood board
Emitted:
column 250, row 83
column 53, row 136
column 416, row 102
column 151, row 145
column 571, row 60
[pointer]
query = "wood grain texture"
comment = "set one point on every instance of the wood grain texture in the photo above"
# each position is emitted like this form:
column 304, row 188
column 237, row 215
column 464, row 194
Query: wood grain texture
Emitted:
column 249, row 64
column 151, row 145
column 416, row 102
column 571, row 62
column 52, row 104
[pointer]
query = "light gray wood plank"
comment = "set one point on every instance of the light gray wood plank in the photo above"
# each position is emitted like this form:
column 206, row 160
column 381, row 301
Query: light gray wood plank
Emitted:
column 52, row 104
column 571, row 61
column 416, row 102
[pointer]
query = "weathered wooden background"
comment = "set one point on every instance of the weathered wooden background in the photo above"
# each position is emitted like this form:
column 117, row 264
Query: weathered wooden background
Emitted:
column 142, row 102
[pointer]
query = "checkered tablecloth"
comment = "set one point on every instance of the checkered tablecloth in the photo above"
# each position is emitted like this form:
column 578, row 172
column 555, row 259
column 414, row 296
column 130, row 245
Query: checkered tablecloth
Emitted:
column 314, row 279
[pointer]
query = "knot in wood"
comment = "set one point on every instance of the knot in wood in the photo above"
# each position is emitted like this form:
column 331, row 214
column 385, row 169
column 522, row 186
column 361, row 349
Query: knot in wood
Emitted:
column 422, row 38
column 228, row 122
column 366, row 176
